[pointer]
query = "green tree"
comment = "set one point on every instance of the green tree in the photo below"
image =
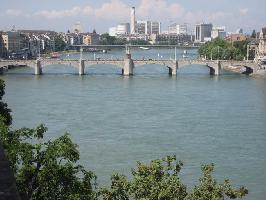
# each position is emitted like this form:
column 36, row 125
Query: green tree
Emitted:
column 4, row 110
column 219, row 49
column 106, row 39
column 119, row 189
column 60, row 44
column 46, row 170
column 208, row 188
column 241, row 46
column 159, row 180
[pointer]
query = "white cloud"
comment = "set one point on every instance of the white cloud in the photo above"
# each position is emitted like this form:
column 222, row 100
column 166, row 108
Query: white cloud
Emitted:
column 114, row 10
column 88, row 10
column 214, row 16
column 13, row 12
column 52, row 14
column 159, row 9
column 118, row 10
column 243, row 11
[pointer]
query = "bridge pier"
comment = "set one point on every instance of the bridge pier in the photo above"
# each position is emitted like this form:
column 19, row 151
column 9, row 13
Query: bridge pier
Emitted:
column 128, row 66
column 173, row 68
column 81, row 67
column 38, row 68
column 215, row 68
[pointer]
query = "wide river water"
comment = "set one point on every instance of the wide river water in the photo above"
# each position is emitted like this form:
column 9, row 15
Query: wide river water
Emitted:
column 117, row 121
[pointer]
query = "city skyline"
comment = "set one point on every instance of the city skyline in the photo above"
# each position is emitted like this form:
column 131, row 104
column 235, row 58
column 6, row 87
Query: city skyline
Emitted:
column 102, row 14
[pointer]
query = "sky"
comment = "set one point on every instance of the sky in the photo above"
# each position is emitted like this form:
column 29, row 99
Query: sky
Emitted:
column 60, row 15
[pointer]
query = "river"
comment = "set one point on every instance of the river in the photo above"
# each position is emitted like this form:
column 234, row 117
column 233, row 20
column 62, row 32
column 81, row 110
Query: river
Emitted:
column 117, row 121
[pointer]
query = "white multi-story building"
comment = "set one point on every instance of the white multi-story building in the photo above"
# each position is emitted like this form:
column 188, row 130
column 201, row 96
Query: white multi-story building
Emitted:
column 120, row 29
column 218, row 32
column 123, row 29
column 148, row 27
column 144, row 27
column 203, row 32
column 182, row 29
column 178, row 29
column 155, row 27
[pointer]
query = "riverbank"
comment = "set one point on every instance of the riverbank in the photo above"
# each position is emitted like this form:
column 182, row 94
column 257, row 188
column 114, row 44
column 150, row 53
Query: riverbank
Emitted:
column 260, row 74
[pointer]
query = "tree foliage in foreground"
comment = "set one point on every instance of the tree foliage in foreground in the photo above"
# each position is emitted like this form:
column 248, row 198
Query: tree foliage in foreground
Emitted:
column 159, row 180
column 48, row 170
column 4, row 110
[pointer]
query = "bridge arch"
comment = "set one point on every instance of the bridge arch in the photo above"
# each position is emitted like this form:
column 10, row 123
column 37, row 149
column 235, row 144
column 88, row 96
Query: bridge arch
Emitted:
column 214, row 68
column 119, row 66
column 170, row 65
column 152, row 68
column 109, row 67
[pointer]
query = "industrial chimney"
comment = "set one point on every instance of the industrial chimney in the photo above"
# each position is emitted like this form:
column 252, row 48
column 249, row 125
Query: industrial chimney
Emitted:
column 133, row 21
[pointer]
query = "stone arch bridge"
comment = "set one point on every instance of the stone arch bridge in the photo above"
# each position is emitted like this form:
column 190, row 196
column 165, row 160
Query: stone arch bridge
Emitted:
column 127, row 65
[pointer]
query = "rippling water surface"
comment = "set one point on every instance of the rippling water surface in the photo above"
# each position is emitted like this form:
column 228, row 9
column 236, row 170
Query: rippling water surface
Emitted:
column 118, row 120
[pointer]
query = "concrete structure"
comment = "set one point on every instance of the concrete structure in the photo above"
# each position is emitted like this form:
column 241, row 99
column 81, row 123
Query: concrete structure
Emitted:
column 143, row 27
column 202, row 32
column 136, row 37
column 262, row 44
column 236, row 37
column 181, row 29
column 38, row 68
column 90, row 38
column 172, row 39
column 177, row 29
column 3, row 44
column 218, row 32
column 148, row 27
column 133, row 21
column 14, row 41
column 155, row 27
column 127, row 64
column 128, row 68
column 24, row 44
column 74, row 39
column 81, row 67
column 2, row 47
column 123, row 29
column 77, row 28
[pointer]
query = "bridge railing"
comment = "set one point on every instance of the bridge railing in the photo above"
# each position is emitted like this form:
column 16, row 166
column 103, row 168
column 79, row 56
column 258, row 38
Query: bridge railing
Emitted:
column 119, row 59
